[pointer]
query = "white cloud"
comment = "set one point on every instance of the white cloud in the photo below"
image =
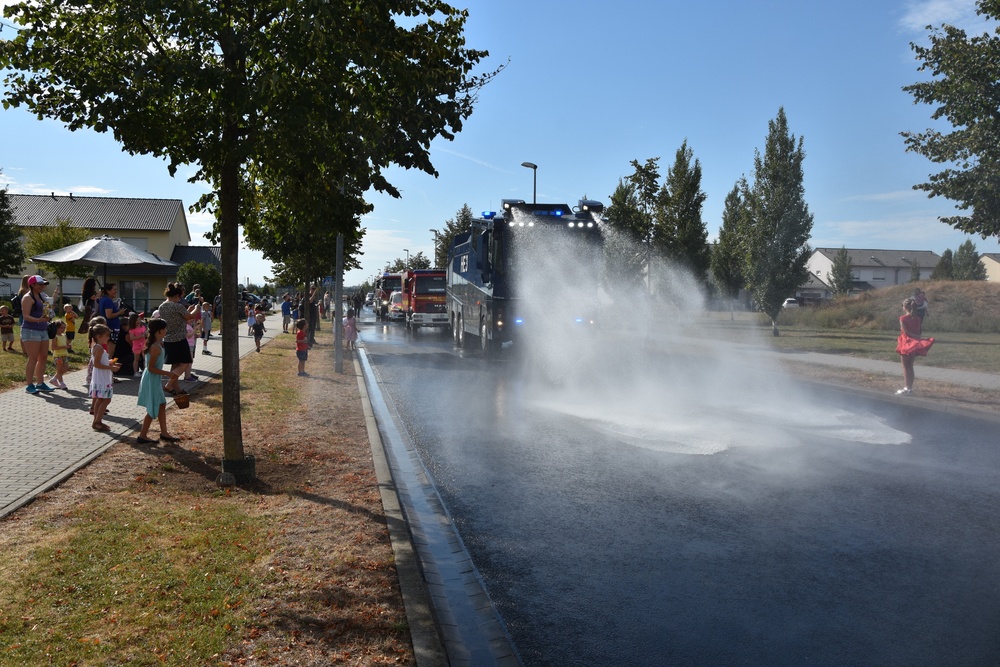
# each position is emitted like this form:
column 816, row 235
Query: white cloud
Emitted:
column 960, row 13
column 896, row 195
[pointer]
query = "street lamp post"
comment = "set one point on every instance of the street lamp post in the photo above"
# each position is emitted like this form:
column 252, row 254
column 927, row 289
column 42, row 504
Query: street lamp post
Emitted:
column 534, row 180
column 436, row 237
column 407, row 258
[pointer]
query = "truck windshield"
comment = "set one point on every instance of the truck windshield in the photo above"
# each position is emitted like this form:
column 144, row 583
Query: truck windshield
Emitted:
column 391, row 283
column 430, row 284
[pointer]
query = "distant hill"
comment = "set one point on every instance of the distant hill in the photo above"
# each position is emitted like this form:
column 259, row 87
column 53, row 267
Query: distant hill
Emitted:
column 954, row 306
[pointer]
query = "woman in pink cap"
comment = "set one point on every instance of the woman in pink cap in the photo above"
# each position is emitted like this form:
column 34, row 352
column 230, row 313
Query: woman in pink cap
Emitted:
column 35, row 334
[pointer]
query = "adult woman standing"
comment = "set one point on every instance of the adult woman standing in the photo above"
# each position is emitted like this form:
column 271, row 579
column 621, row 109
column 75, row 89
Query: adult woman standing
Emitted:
column 175, row 345
column 35, row 335
column 110, row 309
column 18, row 311
column 88, row 303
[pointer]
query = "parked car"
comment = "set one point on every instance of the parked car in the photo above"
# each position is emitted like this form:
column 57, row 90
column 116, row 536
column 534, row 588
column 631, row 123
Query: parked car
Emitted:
column 790, row 303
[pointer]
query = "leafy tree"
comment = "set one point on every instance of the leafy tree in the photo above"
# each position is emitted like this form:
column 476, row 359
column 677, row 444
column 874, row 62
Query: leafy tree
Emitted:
column 40, row 240
column 727, row 256
column 199, row 273
column 12, row 254
column 778, row 222
column 679, row 233
column 841, row 278
column 964, row 92
column 233, row 86
column 418, row 261
column 967, row 264
column 944, row 268
column 624, row 251
column 914, row 272
column 443, row 239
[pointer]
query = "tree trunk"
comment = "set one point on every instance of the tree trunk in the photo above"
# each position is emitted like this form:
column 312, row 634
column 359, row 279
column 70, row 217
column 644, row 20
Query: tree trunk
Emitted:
column 229, row 206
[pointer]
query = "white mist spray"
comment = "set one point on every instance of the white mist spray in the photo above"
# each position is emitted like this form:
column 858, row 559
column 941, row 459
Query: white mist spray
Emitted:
column 629, row 366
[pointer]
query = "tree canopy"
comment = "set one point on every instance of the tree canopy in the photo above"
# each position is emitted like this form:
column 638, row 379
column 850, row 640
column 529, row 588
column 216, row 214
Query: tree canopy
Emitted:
column 963, row 89
column 443, row 239
column 967, row 265
column 777, row 223
column 256, row 94
column 47, row 238
column 679, row 233
column 841, row 278
column 11, row 251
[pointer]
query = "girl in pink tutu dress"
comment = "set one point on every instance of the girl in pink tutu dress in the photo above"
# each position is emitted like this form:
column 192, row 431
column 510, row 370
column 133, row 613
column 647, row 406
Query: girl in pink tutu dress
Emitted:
column 910, row 344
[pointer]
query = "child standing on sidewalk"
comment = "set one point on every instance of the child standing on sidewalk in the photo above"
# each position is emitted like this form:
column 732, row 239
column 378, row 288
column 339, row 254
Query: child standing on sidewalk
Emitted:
column 350, row 330
column 258, row 327
column 69, row 317
column 60, row 348
column 151, row 394
column 301, row 346
column 136, row 335
column 101, row 383
column 251, row 320
column 90, row 354
column 7, row 323
column 206, row 326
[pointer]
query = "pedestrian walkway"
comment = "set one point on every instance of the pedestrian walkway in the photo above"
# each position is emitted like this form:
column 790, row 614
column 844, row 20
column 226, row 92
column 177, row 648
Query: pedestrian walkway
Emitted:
column 46, row 437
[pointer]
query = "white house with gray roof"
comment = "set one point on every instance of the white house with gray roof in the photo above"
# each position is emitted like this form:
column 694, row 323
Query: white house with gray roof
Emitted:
column 872, row 269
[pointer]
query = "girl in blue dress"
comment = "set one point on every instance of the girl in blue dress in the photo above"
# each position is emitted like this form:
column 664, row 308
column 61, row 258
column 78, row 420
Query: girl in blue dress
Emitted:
column 151, row 394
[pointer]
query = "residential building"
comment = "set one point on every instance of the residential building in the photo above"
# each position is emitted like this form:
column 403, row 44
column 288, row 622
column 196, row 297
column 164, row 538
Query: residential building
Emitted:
column 872, row 269
column 158, row 226
column 991, row 261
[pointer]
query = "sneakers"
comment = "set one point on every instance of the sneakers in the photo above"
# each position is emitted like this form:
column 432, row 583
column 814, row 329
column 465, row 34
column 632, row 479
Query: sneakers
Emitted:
column 303, row 374
column 31, row 389
column 205, row 352
column 43, row 387
column 905, row 391
column 192, row 378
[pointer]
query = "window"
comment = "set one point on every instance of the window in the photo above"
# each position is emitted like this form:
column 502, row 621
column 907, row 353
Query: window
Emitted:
column 855, row 274
column 878, row 274
column 135, row 293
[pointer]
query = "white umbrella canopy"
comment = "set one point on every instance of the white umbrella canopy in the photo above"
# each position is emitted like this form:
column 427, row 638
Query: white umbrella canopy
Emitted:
column 102, row 251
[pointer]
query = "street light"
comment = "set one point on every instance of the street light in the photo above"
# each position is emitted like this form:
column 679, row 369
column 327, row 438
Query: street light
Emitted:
column 436, row 236
column 534, row 180
column 407, row 265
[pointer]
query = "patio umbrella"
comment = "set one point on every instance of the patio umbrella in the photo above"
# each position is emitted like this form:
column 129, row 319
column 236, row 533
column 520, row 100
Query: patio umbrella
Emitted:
column 102, row 251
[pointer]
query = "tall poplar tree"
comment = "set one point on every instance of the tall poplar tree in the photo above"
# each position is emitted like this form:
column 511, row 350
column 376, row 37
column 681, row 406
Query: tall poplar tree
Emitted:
column 727, row 256
column 331, row 88
column 624, row 243
column 967, row 264
column 778, row 222
column 841, row 277
column 679, row 233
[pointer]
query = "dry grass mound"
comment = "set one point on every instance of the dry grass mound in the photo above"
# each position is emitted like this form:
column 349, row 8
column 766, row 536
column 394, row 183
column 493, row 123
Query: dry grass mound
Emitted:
column 954, row 306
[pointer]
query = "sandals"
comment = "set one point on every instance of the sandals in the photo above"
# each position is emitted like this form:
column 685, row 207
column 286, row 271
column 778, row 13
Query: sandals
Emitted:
column 169, row 438
column 146, row 441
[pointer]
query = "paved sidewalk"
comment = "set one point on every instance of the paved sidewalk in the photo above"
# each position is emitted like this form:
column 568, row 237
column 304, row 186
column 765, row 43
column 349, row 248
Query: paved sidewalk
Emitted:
column 44, row 438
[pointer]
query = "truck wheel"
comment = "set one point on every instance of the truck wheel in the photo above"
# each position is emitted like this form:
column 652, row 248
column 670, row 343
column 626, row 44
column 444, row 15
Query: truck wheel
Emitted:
column 485, row 344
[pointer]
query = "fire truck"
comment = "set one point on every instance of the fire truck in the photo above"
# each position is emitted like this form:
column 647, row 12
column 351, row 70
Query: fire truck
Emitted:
column 483, row 285
column 427, row 303
column 386, row 285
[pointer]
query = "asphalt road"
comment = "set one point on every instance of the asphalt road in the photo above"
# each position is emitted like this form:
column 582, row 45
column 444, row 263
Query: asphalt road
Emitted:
column 630, row 509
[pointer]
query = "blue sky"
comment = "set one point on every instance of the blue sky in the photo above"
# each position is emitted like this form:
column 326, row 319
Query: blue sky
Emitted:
column 588, row 89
